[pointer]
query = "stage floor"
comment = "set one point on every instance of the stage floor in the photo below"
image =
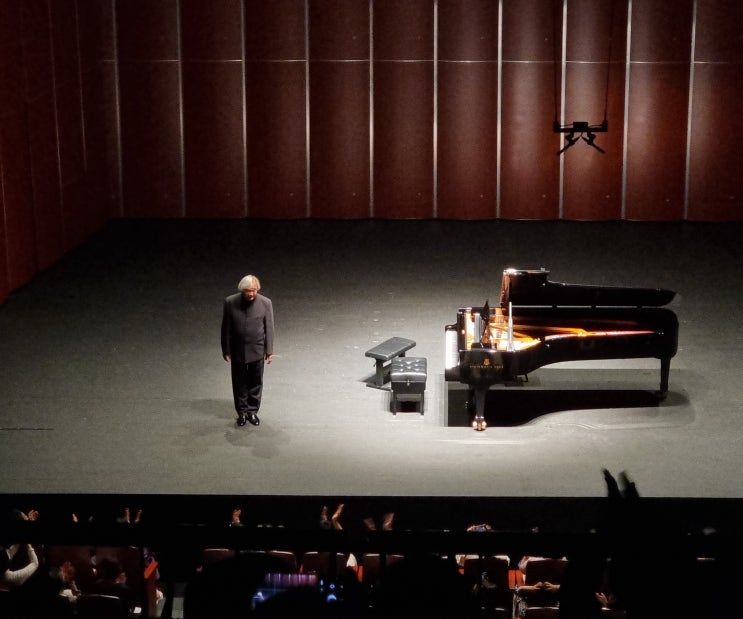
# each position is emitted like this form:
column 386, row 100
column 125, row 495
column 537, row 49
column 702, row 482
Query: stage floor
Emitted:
column 113, row 380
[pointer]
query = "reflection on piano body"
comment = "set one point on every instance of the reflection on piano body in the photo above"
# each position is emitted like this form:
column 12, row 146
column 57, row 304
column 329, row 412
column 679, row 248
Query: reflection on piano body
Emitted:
column 539, row 322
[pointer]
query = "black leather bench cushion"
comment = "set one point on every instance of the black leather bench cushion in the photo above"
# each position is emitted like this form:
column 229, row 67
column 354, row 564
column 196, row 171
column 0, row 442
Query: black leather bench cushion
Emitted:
column 390, row 348
column 408, row 374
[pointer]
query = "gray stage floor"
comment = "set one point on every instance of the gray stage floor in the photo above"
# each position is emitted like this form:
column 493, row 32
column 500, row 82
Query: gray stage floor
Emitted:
column 113, row 380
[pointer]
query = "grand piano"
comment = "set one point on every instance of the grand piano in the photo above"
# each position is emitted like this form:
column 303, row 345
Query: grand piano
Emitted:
column 538, row 322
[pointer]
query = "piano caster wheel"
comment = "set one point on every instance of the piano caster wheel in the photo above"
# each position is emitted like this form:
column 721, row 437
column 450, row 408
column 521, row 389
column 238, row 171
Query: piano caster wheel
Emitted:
column 479, row 425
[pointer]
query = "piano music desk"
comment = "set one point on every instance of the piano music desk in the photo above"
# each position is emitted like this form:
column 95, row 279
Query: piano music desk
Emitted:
column 383, row 354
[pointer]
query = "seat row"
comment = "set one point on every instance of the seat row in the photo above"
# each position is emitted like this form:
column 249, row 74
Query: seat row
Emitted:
column 327, row 565
column 529, row 591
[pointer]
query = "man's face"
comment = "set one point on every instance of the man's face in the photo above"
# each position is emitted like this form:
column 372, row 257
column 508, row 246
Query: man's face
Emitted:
column 249, row 293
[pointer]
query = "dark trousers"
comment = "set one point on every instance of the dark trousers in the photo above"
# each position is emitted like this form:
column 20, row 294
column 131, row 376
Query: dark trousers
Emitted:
column 247, row 386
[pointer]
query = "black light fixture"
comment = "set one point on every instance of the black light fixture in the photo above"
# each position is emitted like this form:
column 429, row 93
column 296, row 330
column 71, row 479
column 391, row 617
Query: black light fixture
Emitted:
column 581, row 130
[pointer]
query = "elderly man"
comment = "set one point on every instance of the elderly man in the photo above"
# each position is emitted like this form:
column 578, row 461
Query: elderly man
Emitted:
column 247, row 342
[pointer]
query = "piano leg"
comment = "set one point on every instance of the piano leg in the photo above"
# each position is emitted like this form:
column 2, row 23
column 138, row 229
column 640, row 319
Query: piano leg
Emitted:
column 665, row 369
column 481, row 394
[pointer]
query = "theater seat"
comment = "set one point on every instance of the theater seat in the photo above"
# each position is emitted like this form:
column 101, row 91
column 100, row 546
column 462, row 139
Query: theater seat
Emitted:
column 287, row 559
column 98, row 606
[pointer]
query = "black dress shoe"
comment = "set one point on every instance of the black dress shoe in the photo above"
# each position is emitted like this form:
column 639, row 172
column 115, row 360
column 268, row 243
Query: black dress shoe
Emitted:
column 242, row 420
column 253, row 418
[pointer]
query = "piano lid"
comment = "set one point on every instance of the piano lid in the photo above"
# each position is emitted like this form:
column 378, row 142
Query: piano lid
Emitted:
column 533, row 287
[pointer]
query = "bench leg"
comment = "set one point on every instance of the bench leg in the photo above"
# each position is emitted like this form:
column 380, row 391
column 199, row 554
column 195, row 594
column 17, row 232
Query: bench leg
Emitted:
column 665, row 370
column 380, row 371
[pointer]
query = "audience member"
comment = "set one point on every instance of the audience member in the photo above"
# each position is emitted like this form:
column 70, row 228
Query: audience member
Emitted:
column 65, row 574
column 645, row 569
column 542, row 593
column 126, row 518
column 236, row 520
column 526, row 559
column 482, row 527
column 387, row 522
column 76, row 518
column 649, row 571
column 31, row 514
column 48, row 594
column 423, row 585
column 112, row 580
column 578, row 595
column 347, row 580
column 334, row 522
column 225, row 589
column 18, row 562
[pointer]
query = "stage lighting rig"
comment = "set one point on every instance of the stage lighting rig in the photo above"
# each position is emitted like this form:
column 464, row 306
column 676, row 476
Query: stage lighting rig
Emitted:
column 581, row 130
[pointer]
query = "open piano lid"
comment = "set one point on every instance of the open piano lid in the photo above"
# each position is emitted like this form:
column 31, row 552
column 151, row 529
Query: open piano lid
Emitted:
column 533, row 287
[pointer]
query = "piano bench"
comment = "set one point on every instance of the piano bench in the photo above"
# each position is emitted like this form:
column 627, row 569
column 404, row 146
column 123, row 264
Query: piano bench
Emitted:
column 384, row 353
column 408, row 378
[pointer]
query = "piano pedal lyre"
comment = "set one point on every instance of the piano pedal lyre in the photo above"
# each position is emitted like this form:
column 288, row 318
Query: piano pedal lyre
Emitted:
column 479, row 425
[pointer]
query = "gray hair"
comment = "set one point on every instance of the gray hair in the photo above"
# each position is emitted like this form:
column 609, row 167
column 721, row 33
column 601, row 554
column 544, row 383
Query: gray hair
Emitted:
column 249, row 281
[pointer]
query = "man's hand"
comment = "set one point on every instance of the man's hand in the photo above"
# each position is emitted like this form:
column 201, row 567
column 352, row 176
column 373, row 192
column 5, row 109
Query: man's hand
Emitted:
column 227, row 357
column 269, row 358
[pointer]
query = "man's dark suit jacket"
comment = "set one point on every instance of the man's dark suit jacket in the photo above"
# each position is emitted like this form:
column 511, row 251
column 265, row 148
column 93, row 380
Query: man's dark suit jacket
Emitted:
column 247, row 328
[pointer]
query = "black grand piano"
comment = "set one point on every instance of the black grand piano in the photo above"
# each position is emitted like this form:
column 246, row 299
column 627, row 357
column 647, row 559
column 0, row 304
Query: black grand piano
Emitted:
column 539, row 322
